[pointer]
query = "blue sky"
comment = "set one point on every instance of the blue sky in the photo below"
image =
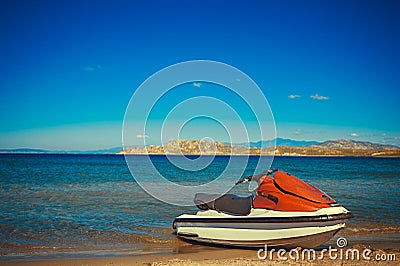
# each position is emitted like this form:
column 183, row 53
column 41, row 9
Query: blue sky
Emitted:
column 69, row 68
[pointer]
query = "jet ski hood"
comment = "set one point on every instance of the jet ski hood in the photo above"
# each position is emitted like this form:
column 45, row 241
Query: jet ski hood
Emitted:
column 290, row 184
column 285, row 192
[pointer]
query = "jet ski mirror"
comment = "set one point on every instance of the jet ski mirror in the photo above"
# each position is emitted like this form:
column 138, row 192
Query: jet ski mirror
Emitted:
column 271, row 171
column 244, row 180
column 250, row 178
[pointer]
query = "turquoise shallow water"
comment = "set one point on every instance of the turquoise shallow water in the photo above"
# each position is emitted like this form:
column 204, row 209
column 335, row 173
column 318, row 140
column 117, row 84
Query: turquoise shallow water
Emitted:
column 71, row 203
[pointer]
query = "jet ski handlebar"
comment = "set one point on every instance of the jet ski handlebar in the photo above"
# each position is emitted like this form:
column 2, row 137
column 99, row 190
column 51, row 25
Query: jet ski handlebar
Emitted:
column 251, row 177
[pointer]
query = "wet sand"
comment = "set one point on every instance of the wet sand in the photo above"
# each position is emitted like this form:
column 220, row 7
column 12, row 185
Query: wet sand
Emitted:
column 385, row 250
column 217, row 257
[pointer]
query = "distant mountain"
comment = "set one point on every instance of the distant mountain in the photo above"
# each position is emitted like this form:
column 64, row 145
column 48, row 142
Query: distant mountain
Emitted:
column 340, row 148
column 284, row 147
column 279, row 142
column 24, row 150
column 327, row 148
column 193, row 147
column 43, row 151
column 101, row 151
column 355, row 145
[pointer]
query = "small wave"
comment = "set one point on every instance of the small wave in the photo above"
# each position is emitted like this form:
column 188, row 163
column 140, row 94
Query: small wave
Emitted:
column 7, row 249
column 92, row 240
column 371, row 231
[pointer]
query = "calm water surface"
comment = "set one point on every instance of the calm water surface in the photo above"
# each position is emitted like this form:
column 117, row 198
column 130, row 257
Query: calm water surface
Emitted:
column 65, row 203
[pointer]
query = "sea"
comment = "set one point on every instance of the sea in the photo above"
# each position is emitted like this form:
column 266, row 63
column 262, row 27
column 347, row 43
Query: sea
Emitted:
column 58, row 205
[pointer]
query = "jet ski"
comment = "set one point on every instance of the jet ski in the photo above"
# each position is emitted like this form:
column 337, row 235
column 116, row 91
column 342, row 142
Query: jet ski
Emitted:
column 282, row 211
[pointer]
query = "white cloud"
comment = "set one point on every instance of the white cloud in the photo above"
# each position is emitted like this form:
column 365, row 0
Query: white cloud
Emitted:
column 93, row 68
column 197, row 84
column 293, row 96
column 319, row 97
column 354, row 135
column 142, row 136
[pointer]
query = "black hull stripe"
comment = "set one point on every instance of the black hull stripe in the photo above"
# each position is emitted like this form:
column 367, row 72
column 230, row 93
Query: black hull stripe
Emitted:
column 298, row 219
column 308, row 241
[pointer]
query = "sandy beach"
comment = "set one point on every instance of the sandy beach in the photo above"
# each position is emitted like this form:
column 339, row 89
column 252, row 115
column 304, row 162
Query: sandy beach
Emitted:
column 384, row 250
column 230, row 257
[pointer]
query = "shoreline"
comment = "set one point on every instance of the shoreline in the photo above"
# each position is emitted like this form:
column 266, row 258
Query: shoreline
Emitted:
column 188, row 254
column 256, row 155
column 231, row 257
column 210, row 155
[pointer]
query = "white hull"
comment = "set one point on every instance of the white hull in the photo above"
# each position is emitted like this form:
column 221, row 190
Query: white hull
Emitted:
column 260, row 227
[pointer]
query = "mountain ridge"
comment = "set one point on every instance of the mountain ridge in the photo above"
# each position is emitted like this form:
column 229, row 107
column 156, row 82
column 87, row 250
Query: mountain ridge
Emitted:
column 44, row 151
column 278, row 142
column 327, row 148
column 285, row 147
column 343, row 143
